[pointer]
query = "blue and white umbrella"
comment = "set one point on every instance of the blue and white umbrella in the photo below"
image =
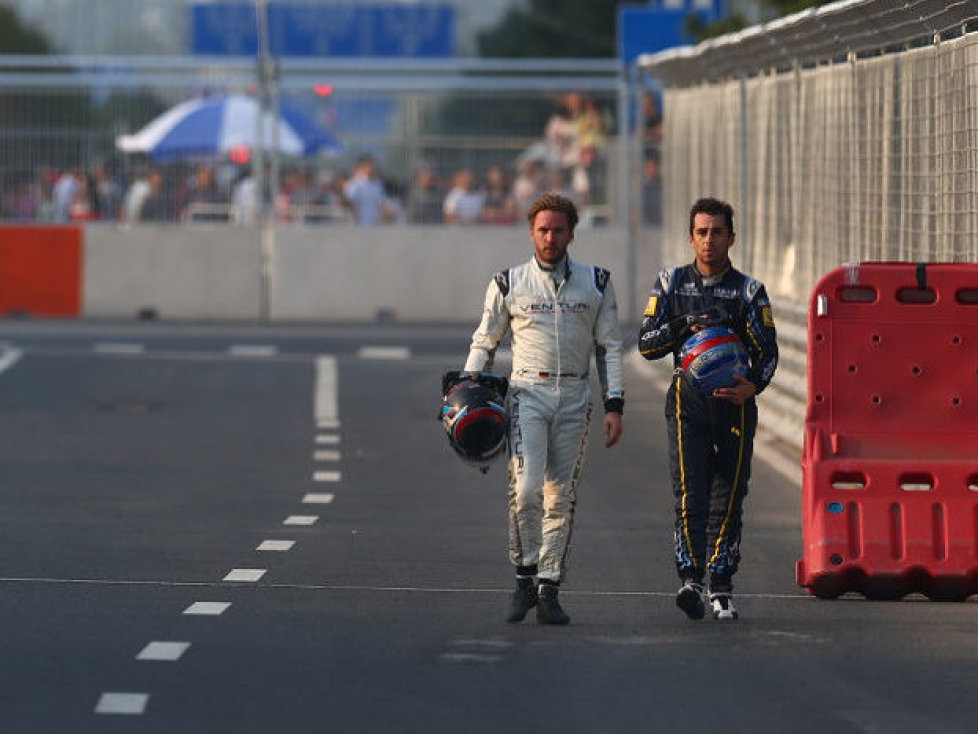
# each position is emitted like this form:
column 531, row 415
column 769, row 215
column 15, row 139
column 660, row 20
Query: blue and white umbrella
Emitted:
column 217, row 125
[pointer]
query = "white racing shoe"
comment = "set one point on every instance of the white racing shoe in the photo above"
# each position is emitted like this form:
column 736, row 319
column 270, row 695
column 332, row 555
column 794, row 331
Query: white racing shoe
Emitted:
column 721, row 602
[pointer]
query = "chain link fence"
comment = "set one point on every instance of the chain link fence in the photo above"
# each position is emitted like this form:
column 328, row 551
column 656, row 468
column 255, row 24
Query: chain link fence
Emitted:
column 63, row 114
column 847, row 133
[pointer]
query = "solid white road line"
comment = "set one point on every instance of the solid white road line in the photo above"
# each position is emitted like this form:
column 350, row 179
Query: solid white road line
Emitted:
column 245, row 574
column 208, row 608
column 300, row 520
column 122, row 703
column 384, row 353
column 219, row 607
column 325, row 405
column 163, row 651
column 275, row 545
column 325, row 455
column 326, row 476
column 318, row 498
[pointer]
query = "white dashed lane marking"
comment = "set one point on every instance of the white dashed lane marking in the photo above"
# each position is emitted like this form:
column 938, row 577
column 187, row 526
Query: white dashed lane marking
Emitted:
column 384, row 353
column 475, row 651
column 300, row 520
column 325, row 402
column 245, row 574
column 318, row 498
column 326, row 476
column 118, row 348
column 9, row 356
column 208, row 608
column 328, row 439
column 326, row 455
column 163, row 651
column 122, row 703
column 253, row 350
column 276, row 545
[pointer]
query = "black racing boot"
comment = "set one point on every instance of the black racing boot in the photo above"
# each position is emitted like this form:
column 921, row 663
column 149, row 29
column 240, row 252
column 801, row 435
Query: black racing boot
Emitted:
column 548, row 608
column 524, row 599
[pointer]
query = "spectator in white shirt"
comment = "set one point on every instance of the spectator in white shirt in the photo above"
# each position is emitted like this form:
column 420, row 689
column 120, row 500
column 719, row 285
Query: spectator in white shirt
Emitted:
column 463, row 204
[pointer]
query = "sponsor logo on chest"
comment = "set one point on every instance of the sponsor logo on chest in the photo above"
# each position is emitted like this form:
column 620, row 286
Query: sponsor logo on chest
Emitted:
column 691, row 289
column 538, row 307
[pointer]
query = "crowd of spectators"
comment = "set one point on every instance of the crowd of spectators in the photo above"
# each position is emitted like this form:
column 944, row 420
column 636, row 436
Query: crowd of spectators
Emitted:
column 571, row 157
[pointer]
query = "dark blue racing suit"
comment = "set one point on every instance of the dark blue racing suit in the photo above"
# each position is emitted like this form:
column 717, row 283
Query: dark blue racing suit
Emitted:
column 710, row 439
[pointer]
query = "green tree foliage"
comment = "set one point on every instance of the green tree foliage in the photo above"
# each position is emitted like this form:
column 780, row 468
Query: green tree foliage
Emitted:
column 736, row 22
column 554, row 29
column 537, row 29
column 16, row 38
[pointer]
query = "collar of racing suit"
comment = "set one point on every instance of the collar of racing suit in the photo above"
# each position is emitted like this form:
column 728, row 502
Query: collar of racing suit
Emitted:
column 559, row 271
column 711, row 279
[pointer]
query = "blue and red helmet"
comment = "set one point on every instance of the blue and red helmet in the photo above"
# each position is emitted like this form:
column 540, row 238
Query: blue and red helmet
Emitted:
column 473, row 414
column 712, row 356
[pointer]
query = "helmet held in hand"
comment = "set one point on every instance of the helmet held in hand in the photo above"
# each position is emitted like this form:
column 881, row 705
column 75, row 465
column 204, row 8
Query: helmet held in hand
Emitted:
column 473, row 414
column 712, row 356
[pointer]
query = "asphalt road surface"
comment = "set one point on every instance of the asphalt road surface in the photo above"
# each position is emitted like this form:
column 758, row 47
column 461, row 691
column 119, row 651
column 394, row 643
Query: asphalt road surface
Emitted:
column 254, row 529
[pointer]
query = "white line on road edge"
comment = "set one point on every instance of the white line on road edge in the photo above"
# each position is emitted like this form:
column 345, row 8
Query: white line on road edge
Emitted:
column 9, row 357
column 219, row 607
column 164, row 651
column 325, row 406
column 122, row 703
column 245, row 574
column 300, row 520
column 384, row 353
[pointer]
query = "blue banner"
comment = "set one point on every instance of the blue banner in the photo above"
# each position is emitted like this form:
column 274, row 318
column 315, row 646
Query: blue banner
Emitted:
column 644, row 29
column 332, row 30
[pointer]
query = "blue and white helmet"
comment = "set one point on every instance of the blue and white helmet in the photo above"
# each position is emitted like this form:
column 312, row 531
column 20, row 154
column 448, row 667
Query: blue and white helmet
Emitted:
column 712, row 356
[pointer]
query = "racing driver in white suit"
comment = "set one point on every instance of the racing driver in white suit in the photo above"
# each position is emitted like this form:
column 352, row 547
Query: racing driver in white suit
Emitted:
column 559, row 313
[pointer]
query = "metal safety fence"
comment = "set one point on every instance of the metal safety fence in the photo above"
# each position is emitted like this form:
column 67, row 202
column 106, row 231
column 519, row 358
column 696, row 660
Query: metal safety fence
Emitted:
column 840, row 134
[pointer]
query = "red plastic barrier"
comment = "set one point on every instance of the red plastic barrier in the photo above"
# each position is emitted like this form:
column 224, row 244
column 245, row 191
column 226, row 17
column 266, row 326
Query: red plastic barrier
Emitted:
column 890, row 460
column 41, row 271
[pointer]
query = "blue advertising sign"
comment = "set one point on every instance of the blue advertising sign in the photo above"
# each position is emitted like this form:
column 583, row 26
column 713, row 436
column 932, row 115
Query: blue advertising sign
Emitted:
column 334, row 30
column 661, row 24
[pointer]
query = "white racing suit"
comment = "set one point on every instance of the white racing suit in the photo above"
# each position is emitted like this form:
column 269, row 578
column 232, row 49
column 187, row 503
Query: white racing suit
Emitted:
column 558, row 318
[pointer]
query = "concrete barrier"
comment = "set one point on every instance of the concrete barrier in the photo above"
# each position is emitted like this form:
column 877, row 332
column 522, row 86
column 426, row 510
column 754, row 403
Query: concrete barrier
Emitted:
column 179, row 272
column 317, row 273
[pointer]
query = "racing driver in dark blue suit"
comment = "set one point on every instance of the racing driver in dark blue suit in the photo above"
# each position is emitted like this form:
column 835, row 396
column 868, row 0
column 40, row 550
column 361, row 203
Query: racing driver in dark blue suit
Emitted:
column 710, row 436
